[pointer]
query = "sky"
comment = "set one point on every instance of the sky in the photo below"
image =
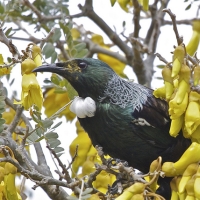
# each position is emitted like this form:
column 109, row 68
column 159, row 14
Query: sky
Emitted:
column 112, row 17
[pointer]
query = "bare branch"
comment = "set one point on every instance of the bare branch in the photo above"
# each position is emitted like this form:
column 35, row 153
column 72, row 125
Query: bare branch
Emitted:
column 12, row 48
column 136, row 18
column 16, row 119
column 44, row 40
column 87, row 10
column 41, row 18
column 173, row 17
column 161, row 58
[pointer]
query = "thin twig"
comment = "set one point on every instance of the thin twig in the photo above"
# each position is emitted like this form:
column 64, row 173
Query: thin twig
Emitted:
column 44, row 40
column 16, row 120
column 12, row 48
column 161, row 58
column 173, row 17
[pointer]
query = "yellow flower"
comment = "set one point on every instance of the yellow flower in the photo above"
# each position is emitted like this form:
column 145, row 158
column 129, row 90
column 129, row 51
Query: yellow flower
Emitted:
column 5, row 71
column 116, row 65
column 59, row 100
column 31, row 92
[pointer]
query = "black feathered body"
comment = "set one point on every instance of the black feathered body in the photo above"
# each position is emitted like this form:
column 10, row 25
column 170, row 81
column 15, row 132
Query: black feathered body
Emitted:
column 137, row 132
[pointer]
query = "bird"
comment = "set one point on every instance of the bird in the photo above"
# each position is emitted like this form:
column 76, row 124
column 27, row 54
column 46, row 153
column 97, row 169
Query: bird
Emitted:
column 119, row 115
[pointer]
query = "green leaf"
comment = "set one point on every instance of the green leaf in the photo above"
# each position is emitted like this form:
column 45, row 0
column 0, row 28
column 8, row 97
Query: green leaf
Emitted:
column 2, row 121
column 188, row 7
column 8, row 31
column 73, row 52
column 112, row 2
column 1, row 128
column 56, row 36
column 1, row 9
column 60, row 90
column 70, row 25
column 80, row 46
column 59, row 154
column 71, row 91
column 55, row 80
column 48, row 50
column 82, row 53
column 87, row 196
column 58, row 149
column 58, row 124
column 47, row 81
column 47, row 123
column 160, row 66
column 39, row 132
column 39, row 139
column 87, row 191
column 54, row 57
column 50, row 135
column 54, row 143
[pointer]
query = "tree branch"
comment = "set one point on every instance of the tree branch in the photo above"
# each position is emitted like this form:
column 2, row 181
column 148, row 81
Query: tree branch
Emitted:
column 41, row 18
column 87, row 10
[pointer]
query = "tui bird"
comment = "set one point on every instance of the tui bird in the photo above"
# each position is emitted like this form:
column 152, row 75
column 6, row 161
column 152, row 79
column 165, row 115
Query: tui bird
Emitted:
column 121, row 116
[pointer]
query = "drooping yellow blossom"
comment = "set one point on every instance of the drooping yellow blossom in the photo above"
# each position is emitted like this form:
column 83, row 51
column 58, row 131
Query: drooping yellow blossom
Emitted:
column 193, row 44
column 37, row 55
column 27, row 66
column 168, row 81
column 196, row 76
column 160, row 92
column 5, row 71
column 178, row 58
column 175, row 109
column 31, row 92
column 59, row 100
column 192, row 117
column 114, row 63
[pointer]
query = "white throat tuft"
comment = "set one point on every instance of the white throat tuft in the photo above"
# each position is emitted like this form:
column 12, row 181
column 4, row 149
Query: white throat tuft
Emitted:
column 83, row 107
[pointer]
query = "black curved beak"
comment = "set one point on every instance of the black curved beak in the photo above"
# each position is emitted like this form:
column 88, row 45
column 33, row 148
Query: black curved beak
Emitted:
column 54, row 68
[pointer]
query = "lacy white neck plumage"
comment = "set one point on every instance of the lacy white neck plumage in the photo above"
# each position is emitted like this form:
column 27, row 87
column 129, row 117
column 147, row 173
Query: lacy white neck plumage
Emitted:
column 123, row 93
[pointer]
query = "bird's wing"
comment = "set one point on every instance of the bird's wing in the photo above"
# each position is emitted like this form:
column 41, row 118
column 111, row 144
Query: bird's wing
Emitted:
column 152, row 122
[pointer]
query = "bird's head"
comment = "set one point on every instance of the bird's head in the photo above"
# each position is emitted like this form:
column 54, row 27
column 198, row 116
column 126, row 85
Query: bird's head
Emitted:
column 88, row 76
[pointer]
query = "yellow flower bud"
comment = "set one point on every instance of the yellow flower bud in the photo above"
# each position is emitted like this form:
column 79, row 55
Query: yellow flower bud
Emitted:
column 183, row 89
column 187, row 175
column 178, row 57
column 191, row 155
column 176, row 67
column 160, row 92
column 197, row 184
column 196, row 76
column 194, row 96
column 196, row 25
column 190, row 189
column 10, row 168
column 184, row 73
column 136, row 188
column 2, row 173
column 37, row 55
column 27, row 66
column 176, row 110
column 168, row 80
column 192, row 117
column 176, row 125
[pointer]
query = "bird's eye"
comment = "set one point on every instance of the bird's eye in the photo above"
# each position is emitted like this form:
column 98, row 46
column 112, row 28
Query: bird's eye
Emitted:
column 82, row 65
